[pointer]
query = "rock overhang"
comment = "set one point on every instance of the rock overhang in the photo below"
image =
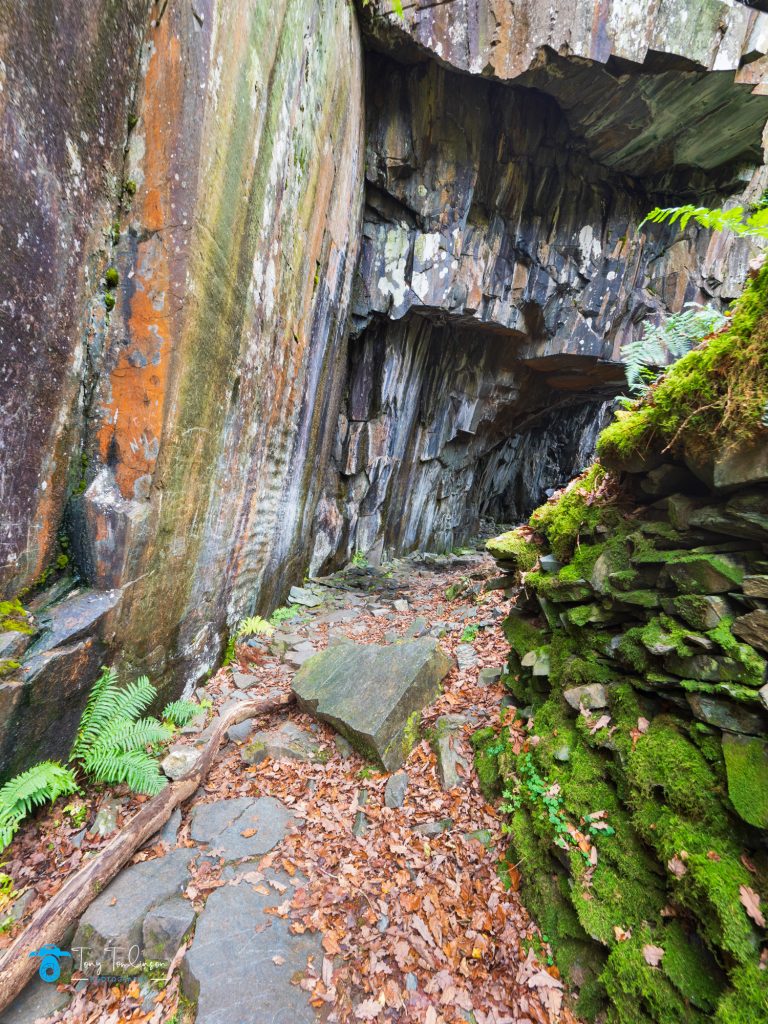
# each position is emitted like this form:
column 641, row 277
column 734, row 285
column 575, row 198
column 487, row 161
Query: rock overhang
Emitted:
column 646, row 90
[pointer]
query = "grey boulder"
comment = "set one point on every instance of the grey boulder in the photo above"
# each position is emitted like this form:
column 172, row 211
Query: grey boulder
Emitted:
column 368, row 693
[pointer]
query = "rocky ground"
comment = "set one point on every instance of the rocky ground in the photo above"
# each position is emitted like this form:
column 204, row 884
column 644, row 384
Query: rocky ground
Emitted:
column 302, row 883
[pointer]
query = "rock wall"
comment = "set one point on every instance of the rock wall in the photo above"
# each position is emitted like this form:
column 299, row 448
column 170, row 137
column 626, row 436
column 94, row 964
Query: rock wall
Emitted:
column 192, row 416
column 66, row 85
column 182, row 424
column 635, row 763
column 502, row 269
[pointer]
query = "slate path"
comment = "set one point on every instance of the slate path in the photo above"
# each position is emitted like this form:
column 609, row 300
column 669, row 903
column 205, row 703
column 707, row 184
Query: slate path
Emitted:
column 243, row 962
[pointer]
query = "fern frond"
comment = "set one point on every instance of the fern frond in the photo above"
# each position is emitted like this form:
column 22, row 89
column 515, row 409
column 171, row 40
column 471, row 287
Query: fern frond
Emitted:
column 124, row 735
column 181, row 712
column 98, row 712
column 107, row 704
column 43, row 783
column 676, row 336
column 755, row 226
column 137, row 768
column 255, row 625
column 135, row 697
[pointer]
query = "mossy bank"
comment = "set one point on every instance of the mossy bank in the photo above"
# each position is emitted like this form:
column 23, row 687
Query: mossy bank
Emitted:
column 636, row 806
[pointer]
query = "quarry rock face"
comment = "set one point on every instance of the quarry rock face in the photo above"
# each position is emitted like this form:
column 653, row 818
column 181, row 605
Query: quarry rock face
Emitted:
column 203, row 195
column 176, row 437
column 503, row 264
column 64, row 107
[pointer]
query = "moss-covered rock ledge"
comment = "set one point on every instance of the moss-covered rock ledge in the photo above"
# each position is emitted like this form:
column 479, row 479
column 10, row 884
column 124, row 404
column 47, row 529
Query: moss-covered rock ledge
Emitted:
column 639, row 639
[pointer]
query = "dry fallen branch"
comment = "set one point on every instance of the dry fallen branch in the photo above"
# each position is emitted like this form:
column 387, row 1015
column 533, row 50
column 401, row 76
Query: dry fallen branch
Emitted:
column 50, row 924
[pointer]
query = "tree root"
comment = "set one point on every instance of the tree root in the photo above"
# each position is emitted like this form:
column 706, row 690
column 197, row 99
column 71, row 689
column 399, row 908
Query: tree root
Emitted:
column 50, row 923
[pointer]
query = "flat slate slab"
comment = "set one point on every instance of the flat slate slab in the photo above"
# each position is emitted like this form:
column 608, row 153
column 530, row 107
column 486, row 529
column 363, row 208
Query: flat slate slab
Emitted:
column 368, row 693
column 38, row 1001
column 231, row 969
column 222, row 824
column 115, row 918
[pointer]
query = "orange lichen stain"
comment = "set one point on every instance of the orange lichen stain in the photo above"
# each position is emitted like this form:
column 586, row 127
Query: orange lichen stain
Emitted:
column 133, row 418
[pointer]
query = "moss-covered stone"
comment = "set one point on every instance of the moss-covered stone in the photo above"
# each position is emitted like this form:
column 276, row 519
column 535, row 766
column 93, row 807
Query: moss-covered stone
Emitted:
column 514, row 547
column 572, row 514
column 712, row 398
column 746, row 763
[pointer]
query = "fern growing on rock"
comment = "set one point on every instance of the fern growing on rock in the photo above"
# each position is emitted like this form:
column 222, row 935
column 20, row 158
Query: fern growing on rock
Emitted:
column 180, row 712
column 41, row 784
column 755, row 225
column 676, row 336
column 111, row 743
column 114, row 744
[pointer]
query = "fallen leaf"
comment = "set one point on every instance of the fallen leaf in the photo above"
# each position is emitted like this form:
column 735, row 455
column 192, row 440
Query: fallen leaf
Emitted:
column 278, row 960
column 676, row 866
column 621, row 935
column 653, row 955
column 368, row 1010
column 248, row 832
column 750, row 900
column 331, row 943
column 601, row 723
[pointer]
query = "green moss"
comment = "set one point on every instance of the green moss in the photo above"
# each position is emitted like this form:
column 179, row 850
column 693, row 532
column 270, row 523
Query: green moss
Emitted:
column 711, row 398
column 129, row 187
column 664, row 631
column 709, row 885
column 109, row 301
column 747, row 1002
column 573, row 513
column 753, row 665
column 564, row 587
column 112, row 277
column 487, row 747
column 624, row 579
column 689, row 966
column 522, row 636
column 513, row 547
column 665, row 762
column 8, row 666
column 639, row 993
column 641, row 598
column 411, row 732
column 633, row 651
column 746, row 762
column 576, row 661
column 13, row 617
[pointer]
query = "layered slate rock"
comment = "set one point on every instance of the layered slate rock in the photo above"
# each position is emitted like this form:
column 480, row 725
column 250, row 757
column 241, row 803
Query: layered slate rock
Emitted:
column 503, row 264
column 370, row 694
column 228, row 203
column 243, row 962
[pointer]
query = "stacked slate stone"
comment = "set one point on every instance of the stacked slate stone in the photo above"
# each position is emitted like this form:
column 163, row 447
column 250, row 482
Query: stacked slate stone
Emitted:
column 639, row 667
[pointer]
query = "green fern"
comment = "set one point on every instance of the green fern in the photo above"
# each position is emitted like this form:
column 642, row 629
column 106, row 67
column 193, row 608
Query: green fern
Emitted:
column 42, row 784
column 755, row 225
column 255, row 625
column 180, row 712
column 679, row 333
column 112, row 741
